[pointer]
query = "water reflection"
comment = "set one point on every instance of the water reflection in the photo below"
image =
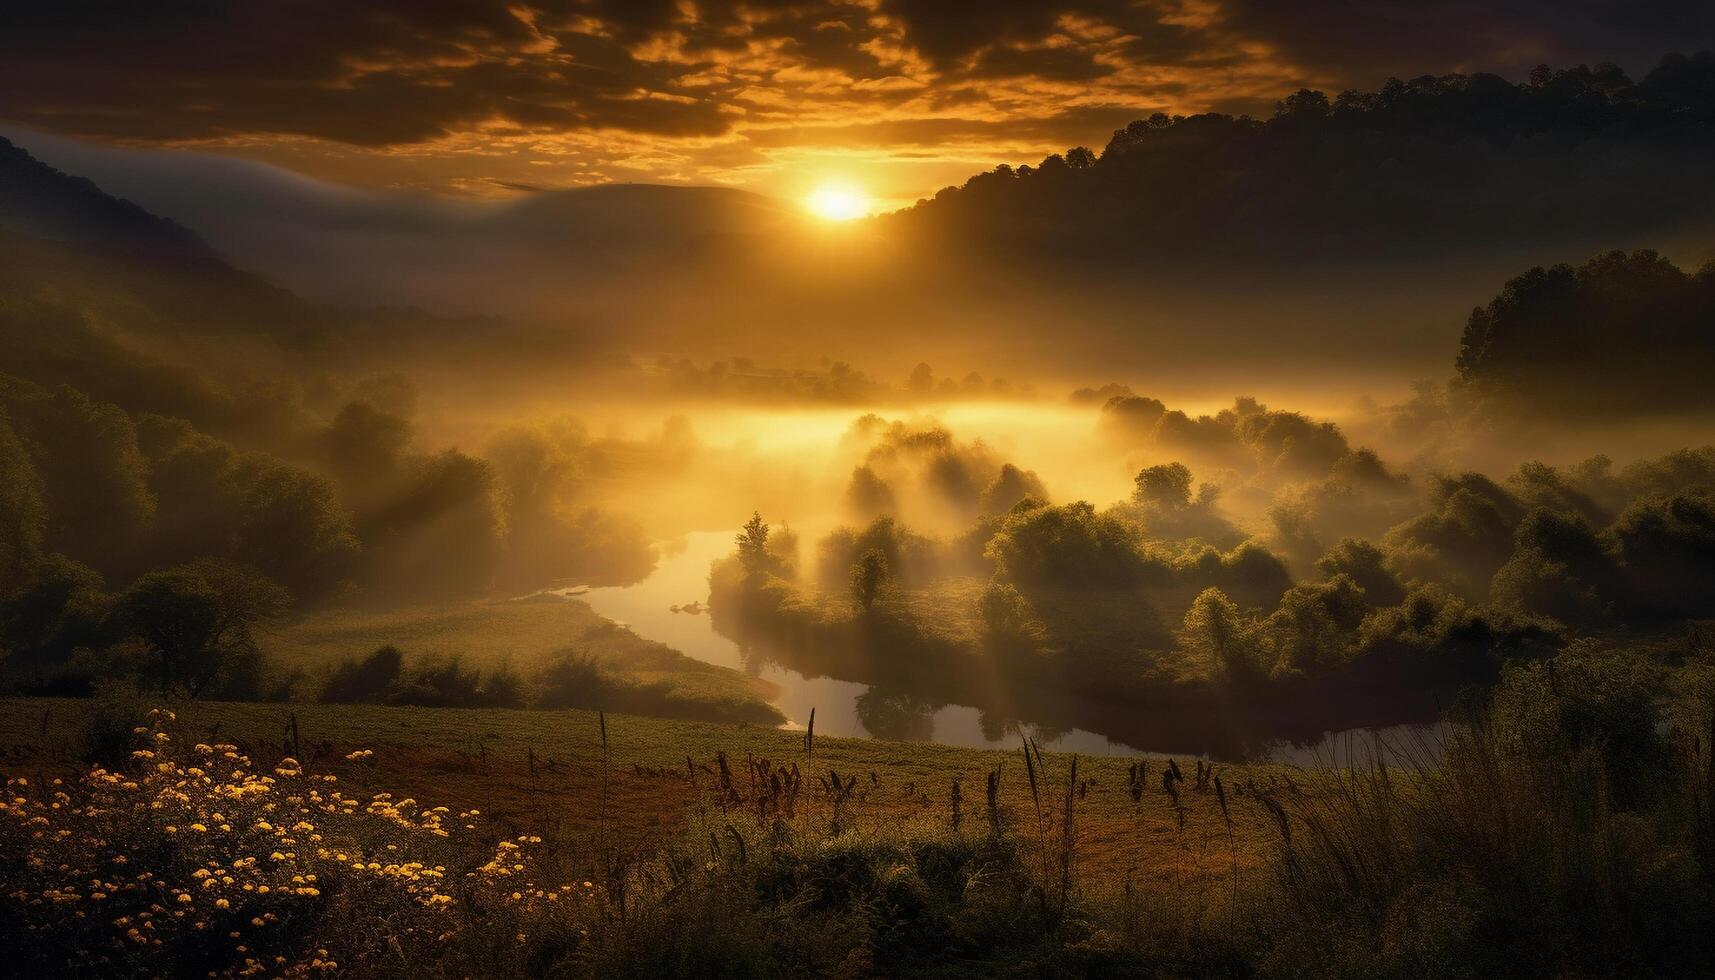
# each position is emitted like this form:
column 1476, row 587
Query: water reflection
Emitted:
column 671, row 606
column 843, row 707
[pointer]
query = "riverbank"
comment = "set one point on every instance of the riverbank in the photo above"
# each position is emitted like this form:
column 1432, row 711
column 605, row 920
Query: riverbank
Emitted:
column 524, row 636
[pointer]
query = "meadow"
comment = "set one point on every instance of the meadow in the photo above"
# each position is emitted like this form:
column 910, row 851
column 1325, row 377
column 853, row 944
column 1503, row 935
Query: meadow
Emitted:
column 524, row 636
column 1566, row 829
column 529, row 771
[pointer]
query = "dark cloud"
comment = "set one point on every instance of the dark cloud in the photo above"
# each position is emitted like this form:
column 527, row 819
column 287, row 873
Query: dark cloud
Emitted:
column 946, row 31
column 1063, row 128
column 382, row 73
column 1361, row 43
column 369, row 72
column 1054, row 64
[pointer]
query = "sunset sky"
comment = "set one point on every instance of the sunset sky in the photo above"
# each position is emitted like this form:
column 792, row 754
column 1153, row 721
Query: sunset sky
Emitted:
column 898, row 97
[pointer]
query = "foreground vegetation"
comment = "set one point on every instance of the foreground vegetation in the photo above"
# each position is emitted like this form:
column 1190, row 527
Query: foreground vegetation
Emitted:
column 1564, row 830
column 541, row 651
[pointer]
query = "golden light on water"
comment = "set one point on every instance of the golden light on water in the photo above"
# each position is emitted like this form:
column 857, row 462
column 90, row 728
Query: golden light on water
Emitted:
column 838, row 202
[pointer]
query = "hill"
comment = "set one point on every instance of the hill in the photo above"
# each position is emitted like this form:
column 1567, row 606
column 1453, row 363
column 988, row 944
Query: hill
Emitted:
column 366, row 247
column 37, row 201
column 1416, row 168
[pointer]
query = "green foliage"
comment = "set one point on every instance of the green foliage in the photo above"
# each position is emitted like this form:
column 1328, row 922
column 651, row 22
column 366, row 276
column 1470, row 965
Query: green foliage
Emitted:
column 364, row 443
column 1167, row 485
column 1071, row 546
column 1366, row 566
column 868, row 574
column 753, row 545
column 1667, row 547
column 909, row 557
column 60, row 609
column 1550, row 338
column 1008, row 623
column 249, row 508
column 868, row 496
column 364, row 681
column 1544, row 838
column 1465, row 537
column 433, row 533
column 1559, row 570
column 198, row 620
column 1291, row 444
column 23, row 514
column 1010, row 486
column 1313, row 627
column 550, row 530
column 1221, row 636
column 1252, row 575
column 92, row 475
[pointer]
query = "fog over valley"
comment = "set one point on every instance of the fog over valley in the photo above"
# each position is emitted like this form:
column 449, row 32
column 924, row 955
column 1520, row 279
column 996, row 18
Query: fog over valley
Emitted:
column 857, row 489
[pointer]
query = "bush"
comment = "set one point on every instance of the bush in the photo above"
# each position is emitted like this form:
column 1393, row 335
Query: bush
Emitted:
column 365, row 681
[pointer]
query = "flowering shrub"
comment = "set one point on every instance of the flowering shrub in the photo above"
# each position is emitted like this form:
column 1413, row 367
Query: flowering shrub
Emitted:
column 192, row 861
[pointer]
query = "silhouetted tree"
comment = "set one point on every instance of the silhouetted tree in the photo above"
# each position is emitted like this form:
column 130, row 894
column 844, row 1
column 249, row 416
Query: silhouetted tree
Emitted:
column 1010, row 486
column 1166, row 485
column 868, row 575
column 366, row 681
column 198, row 618
column 752, row 542
column 868, row 496
column 1366, row 566
column 922, row 380
column 1215, row 631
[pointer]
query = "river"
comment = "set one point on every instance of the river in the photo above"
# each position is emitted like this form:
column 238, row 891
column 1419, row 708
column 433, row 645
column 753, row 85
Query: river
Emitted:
column 681, row 578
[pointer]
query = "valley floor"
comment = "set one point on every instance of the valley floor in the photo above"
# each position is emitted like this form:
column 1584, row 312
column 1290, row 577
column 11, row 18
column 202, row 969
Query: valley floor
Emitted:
column 542, row 772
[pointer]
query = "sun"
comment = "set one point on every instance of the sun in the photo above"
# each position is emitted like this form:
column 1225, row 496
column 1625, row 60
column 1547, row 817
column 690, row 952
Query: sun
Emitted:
column 837, row 202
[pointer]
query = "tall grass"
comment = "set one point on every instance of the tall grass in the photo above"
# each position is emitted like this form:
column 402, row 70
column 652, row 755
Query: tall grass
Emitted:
column 1498, row 846
column 1549, row 835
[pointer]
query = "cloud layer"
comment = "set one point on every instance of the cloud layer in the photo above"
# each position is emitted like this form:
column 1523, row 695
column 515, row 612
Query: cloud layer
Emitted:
column 478, row 95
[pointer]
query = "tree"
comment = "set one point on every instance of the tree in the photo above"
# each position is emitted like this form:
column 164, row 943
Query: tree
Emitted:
column 1366, row 566
column 23, row 515
column 437, row 533
column 753, row 545
column 1215, row 630
column 197, row 618
column 868, row 496
column 922, row 381
column 869, row 574
column 91, row 474
column 1010, row 486
column 363, row 442
column 1167, row 485
column 1313, row 625
column 59, row 608
column 249, row 507
column 365, row 681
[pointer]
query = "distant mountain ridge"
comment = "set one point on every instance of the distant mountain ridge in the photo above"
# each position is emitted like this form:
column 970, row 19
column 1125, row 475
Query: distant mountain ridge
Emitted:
column 38, row 201
column 462, row 256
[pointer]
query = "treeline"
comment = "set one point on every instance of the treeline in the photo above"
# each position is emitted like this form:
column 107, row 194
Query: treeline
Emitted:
column 1418, row 164
column 103, row 511
column 1368, row 577
column 566, row 679
column 1621, row 334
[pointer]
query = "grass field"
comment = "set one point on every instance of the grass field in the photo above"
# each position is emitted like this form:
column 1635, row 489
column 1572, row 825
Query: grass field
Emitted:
column 482, row 758
column 524, row 634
